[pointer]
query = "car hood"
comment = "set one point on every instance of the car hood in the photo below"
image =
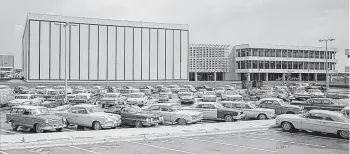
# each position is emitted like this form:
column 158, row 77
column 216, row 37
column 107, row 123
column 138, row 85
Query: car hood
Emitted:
column 16, row 101
column 135, row 99
column 109, row 99
column 291, row 106
column 317, row 93
column 106, row 115
column 209, row 96
column 188, row 112
column 147, row 115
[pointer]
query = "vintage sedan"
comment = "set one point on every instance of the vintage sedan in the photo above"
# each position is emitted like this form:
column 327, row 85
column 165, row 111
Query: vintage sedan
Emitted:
column 26, row 99
column 279, row 106
column 40, row 89
column 190, row 87
column 219, row 91
column 36, row 118
column 250, row 110
column 20, row 89
column 301, row 94
column 83, row 98
column 174, row 88
column 215, row 111
column 322, row 104
column 91, row 116
column 139, row 99
column 62, row 89
column 134, row 116
column 110, row 99
column 231, row 96
column 315, row 93
column 173, row 113
column 316, row 120
column 209, row 96
column 345, row 111
column 148, row 90
column 167, row 98
column 187, row 98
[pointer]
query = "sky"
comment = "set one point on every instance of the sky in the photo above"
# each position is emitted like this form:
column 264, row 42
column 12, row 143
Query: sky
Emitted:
column 232, row 22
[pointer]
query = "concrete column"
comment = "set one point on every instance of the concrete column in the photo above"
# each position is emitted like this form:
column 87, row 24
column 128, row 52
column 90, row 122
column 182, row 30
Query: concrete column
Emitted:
column 315, row 76
column 195, row 76
column 283, row 76
column 214, row 76
column 299, row 76
column 248, row 77
column 267, row 76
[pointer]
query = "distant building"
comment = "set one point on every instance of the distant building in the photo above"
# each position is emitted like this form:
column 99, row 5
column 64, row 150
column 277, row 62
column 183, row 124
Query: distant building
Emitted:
column 347, row 53
column 209, row 62
column 7, row 63
column 273, row 62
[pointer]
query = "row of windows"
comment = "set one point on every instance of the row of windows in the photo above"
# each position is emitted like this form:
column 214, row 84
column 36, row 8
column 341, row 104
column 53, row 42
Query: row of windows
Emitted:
column 283, row 65
column 284, row 53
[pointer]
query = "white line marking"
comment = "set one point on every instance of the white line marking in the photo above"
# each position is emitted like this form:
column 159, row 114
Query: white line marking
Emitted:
column 2, row 152
column 8, row 131
column 229, row 144
column 278, row 140
column 155, row 146
column 84, row 149
column 309, row 135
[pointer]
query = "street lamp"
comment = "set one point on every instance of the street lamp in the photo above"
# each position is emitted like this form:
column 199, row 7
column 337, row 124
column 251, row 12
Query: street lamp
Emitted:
column 327, row 80
column 65, row 25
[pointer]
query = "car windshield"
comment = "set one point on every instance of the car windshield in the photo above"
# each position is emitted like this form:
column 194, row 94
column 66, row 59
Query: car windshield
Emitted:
column 40, row 111
column 220, row 88
column 40, row 87
column 344, row 118
column 21, row 97
column 235, row 98
column 112, row 95
column 95, row 109
column 133, row 109
column 282, row 102
column 53, row 93
column 163, row 95
column 209, row 93
column 176, row 107
column 219, row 106
column 252, row 106
column 315, row 90
column 81, row 97
column 136, row 96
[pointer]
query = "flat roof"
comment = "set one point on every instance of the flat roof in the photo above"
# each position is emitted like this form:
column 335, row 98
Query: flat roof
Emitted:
column 288, row 47
column 105, row 22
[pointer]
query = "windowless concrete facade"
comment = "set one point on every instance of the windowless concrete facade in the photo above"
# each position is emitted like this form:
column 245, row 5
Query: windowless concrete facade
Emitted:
column 103, row 50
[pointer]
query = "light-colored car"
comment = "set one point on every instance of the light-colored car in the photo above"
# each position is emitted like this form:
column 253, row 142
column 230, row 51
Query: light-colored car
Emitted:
column 139, row 99
column 279, row 106
column 174, row 88
column 173, row 113
column 98, row 90
column 215, row 111
column 91, row 116
column 62, row 89
column 250, row 110
column 167, row 98
column 40, row 89
column 316, row 120
column 187, row 98
column 301, row 94
column 36, row 118
column 82, row 98
column 125, row 93
column 190, row 87
column 219, row 91
column 209, row 96
column 26, row 99
column 316, row 93
column 345, row 111
column 231, row 96
column 110, row 99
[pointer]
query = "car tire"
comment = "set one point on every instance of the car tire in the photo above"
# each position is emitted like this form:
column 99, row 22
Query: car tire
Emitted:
column 80, row 127
column 228, row 118
column 343, row 134
column 137, row 124
column 67, row 123
column 96, row 125
column 181, row 121
column 262, row 116
column 14, row 126
column 38, row 128
column 59, row 129
column 287, row 126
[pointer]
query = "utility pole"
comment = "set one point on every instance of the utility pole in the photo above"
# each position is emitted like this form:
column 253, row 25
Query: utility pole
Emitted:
column 327, row 78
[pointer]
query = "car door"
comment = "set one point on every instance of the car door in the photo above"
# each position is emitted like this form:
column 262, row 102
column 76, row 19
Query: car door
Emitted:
column 277, row 107
column 248, row 112
column 14, row 115
column 26, row 118
column 164, row 111
column 83, row 118
column 209, row 111
column 314, row 122
column 268, row 104
column 70, row 115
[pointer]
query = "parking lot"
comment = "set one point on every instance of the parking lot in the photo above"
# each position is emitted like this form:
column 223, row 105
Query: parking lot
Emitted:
column 256, row 142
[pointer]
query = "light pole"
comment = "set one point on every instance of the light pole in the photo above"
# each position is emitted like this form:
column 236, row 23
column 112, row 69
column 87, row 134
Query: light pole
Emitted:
column 65, row 25
column 327, row 79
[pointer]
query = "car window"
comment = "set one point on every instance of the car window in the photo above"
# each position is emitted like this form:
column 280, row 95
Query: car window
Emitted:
column 154, row 108
column 228, row 105
column 317, row 116
column 238, row 105
column 20, row 111
column 276, row 103
column 326, row 101
column 26, row 112
column 317, row 101
column 164, row 108
column 208, row 106
column 199, row 106
column 82, row 111
column 267, row 102
column 247, row 106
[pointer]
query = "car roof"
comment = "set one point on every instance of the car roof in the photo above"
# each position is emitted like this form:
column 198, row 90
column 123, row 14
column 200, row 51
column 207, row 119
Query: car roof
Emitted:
column 233, row 102
column 30, row 107
column 85, row 94
column 332, row 113
column 84, row 105
column 322, row 98
column 114, row 93
column 165, row 104
column 272, row 98
column 206, row 102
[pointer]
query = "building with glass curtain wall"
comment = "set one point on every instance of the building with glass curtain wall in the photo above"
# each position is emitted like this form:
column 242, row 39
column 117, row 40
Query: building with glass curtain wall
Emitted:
column 272, row 62
column 103, row 50
column 209, row 62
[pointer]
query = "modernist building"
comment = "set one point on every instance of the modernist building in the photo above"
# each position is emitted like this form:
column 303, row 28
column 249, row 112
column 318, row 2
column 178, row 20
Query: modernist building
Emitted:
column 7, row 64
column 103, row 50
column 348, row 55
column 209, row 62
column 271, row 63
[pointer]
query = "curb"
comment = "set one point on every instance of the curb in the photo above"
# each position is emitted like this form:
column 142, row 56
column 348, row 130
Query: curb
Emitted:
column 139, row 137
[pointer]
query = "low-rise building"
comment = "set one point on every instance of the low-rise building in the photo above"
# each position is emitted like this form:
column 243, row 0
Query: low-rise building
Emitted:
column 6, row 65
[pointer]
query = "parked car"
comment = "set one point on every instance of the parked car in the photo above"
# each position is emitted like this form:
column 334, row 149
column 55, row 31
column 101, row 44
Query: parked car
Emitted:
column 148, row 90
column 301, row 94
column 315, row 93
column 174, row 88
column 134, row 116
column 321, row 104
column 126, row 92
column 37, row 118
column 139, row 99
column 20, row 89
column 62, row 89
column 215, row 111
column 250, row 110
column 26, row 99
column 190, row 87
column 187, row 98
column 157, row 88
column 91, row 116
column 209, row 96
column 204, row 87
column 316, row 120
column 168, row 98
column 173, row 113
column 279, row 106
column 219, row 91
column 40, row 89
column 229, row 88
column 345, row 111
column 231, row 96
column 83, row 98
column 110, row 99
column 200, row 93
column 111, row 89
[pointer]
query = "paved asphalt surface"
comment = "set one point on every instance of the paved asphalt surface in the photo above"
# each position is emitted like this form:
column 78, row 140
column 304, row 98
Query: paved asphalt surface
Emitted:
column 258, row 142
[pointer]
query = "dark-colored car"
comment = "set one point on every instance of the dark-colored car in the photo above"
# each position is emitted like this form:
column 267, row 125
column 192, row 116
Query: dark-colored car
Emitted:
column 321, row 104
column 279, row 106
column 205, row 87
column 134, row 116
column 20, row 89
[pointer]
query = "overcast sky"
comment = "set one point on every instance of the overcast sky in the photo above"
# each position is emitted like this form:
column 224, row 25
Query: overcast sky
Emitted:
column 287, row 22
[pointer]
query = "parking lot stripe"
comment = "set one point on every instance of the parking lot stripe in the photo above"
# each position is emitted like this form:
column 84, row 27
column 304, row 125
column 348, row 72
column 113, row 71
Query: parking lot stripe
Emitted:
column 308, row 135
column 229, row 144
column 2, row 152
column 8, row 131
column 155, row 146
column 285, row 141
column 84, row 149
